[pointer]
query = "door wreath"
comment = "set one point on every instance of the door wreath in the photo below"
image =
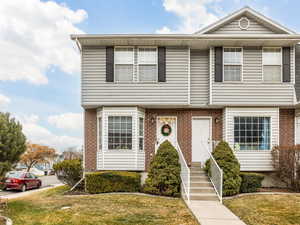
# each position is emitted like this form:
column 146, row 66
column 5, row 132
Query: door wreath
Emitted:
column 166, row 130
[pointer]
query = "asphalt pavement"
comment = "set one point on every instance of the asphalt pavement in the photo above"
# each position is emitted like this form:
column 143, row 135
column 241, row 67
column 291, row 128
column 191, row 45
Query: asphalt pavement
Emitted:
column 47, row 181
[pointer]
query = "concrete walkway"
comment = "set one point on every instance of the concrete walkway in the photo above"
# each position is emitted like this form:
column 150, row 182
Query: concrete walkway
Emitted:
column 213, row 213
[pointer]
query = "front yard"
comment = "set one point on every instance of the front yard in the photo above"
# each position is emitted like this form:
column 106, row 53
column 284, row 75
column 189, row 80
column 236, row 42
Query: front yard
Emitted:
column 267, row 209
column 45, row 208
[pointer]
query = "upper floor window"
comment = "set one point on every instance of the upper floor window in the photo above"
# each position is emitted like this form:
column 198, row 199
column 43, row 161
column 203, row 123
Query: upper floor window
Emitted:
column 147, row 64
column 232, row 64
column 272, row 62
column 124, row 61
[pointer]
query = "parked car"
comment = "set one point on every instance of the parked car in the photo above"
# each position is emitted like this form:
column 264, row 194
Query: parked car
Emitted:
column 22, row 181
column 37, row 172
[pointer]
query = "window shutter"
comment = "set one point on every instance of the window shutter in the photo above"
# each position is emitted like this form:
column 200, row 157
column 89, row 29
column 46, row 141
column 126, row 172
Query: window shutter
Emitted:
column 218, row 64
column 286, row 64
column 109, row 64
column 161, row 64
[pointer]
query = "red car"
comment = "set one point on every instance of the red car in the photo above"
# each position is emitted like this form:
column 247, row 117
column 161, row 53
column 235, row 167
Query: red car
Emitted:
column 21, row 181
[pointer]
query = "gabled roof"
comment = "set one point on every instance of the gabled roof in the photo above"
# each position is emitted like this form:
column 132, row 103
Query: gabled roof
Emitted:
column 250, row 12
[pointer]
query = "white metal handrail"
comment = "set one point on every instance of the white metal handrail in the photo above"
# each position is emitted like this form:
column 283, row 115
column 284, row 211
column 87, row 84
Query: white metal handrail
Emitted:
column 215, row 174
column 185, row 172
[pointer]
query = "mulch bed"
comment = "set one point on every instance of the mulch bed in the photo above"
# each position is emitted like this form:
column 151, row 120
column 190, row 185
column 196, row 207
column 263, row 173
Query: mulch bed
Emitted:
column 283, row 190
column 2, row 221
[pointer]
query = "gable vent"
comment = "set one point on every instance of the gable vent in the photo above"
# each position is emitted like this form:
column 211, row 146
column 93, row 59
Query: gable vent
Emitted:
column 244, row 23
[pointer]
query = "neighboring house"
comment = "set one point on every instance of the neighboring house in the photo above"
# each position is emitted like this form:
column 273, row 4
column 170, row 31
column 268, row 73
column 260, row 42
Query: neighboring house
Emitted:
column 236, row 80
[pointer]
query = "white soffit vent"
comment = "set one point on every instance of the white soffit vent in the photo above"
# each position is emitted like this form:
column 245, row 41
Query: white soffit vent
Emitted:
column 244, row 23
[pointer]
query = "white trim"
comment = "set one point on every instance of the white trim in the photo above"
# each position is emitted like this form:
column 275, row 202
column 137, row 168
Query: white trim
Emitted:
column 189, row 76
column 137, row 65
column 211, row 49
column 240, row 12
column 233, row 64
column 248, row 21
column 262, row 61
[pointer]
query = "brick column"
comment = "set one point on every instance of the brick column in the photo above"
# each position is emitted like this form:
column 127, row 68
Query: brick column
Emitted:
column 286, row 127
column 90, row 139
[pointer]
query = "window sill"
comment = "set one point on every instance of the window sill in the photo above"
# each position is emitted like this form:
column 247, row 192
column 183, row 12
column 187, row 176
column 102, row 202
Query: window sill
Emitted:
column 256, row 151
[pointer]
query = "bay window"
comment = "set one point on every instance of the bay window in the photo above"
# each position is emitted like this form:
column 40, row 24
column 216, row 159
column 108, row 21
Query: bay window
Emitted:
column 252, row 133
column 232, row 64
column 119, row 132
column 272, row 62
column 147, row 64
column 124, row 63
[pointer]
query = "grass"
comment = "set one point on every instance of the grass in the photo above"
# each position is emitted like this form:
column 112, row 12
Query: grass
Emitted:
column 266, row 209
column 44, row 208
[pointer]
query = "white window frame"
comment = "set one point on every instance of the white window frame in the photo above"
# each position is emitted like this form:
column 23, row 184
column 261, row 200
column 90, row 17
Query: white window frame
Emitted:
column 263, row 64
column 271, row 133
column 132, row 130
column 233, row 64
column 99, row 136
column 138, row 134
column 138, row 64
column 133, row 63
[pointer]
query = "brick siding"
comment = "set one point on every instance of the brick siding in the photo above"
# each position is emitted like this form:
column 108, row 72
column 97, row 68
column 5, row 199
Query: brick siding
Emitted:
column 184, row 129
column 286, row 127
column 90, row 137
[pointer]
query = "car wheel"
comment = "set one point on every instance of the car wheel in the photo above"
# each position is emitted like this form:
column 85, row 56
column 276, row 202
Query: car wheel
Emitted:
column 38, row 186
column 4, row 189
column 23, row 188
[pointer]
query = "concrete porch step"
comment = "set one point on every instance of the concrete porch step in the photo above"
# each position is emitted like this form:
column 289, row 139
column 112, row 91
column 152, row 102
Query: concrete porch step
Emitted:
column 196, row 164
column 202, row 190
column 204, row 197
column 201, row 184
column 199, row 178
column 197, row 173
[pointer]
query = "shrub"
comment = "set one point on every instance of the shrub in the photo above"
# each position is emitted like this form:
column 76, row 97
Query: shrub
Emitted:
column 164, row 173
column 226, row 159
column 112, row 181
column 250, row 182
column 68, row 171
column 207, row 167
column 286, row 161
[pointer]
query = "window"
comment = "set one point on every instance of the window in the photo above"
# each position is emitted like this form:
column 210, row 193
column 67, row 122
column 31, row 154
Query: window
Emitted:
column 232, row 64
column 252, row 133
column 124, row 64
column 147, row 64
column 100, row 132
column 141, row 134
column 272, row 61
column 119, row 133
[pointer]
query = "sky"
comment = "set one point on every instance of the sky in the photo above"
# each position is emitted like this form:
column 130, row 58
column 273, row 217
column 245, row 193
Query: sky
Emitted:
column 40, row 65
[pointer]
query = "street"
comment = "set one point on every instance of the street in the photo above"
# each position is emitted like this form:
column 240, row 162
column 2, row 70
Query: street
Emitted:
column 47, row 181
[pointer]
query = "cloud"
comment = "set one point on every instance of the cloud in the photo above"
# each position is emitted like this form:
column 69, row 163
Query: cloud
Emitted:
column 4, row 100
column 39, row 134
column 193, row 14
column 67, row 121
column 35, row 37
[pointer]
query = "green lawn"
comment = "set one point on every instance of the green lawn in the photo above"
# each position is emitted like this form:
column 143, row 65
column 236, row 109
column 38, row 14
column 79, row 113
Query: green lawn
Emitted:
column 44, row 208
column 267, row 209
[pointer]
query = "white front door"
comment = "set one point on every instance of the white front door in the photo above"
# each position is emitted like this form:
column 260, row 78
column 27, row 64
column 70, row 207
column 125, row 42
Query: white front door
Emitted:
column 201, row 139
column 166, row 129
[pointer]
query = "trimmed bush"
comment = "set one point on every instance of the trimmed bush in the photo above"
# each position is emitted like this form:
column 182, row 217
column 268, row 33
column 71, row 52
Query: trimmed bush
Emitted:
column 164, row 173
column 226, row 159
column 250, row 182
column 69, row 171
column 112, row 181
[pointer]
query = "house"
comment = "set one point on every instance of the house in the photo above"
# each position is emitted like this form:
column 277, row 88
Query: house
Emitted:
column 235, row 80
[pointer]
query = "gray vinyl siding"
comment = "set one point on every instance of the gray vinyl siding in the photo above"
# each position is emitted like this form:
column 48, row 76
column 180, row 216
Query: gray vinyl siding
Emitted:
column 251, row 160
column 233, row 28
column 199, row 77
column 252, row 90
column 297, row 72
column 96, row 91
